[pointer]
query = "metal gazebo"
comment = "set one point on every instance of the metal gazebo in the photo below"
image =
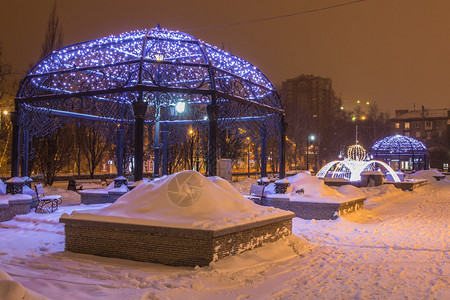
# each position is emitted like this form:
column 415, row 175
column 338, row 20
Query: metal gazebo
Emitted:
column 399, row 148
column 135, row 80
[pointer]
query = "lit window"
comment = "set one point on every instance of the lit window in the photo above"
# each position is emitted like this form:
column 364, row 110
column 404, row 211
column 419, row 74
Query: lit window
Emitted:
column 407, row 125
column 397, row 125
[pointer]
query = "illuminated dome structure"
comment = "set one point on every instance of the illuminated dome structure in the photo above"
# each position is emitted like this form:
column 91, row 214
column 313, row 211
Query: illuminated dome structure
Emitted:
column 351, row 167
column 401, row 152
column 157, row 84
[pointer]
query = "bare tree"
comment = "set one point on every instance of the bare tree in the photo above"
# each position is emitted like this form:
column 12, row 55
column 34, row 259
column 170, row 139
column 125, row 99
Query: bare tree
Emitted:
column 5, row 70
column 53, row 35
column 94, row 147
column 53, row 153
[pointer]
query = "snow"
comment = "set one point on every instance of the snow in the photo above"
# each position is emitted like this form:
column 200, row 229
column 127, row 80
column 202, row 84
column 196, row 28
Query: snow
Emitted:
column 186, row 199
column 244, row 185
column 2, row 188
column 9, row 197
column 395, row 248
column 306, row 188
column 15, row 180
column 11, row 289
column 424, row 174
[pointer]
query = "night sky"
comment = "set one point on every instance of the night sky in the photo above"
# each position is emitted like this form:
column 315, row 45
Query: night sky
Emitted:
column 392, row 52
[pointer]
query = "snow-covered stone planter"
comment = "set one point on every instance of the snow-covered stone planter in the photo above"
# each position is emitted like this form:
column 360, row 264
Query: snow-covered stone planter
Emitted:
column 185, row 219
column 372, row 178
column 316, row 210
column 409, row 184
column 309, row 198
column 14, row 185
column 106, row 195
column 281, row 186
column 170, row 245
column 12, row 205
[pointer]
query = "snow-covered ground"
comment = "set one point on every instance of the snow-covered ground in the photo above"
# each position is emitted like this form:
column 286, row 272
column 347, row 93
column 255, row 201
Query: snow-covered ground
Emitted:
column 396, row 248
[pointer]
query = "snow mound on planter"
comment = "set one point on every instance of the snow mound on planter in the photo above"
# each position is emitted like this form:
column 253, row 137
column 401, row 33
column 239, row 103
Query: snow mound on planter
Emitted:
column 11, row 289
column 425, row 174
column 186, row 199
column 304, row 187
column 312, row 186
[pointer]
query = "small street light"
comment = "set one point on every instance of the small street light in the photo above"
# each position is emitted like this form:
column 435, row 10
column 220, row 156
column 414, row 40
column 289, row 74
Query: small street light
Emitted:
column 310, row 137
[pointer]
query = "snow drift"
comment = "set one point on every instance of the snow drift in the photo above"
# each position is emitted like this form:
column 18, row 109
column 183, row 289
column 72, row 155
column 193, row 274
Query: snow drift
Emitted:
column 186, row 199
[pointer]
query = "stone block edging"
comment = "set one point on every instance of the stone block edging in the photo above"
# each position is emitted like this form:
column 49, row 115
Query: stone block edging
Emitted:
column 170, row 245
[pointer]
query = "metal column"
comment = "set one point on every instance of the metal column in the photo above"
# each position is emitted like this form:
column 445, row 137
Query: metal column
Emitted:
column 263, row 134
column 282, row 153
column 26, row 147
column 119, row 151
column 139, row 108
column 213, row 114
column 165, row 152
column 15, row 143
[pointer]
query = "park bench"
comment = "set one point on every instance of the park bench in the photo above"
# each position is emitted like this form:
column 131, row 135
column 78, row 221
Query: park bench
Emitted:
column 256, row 193
column 46, row 204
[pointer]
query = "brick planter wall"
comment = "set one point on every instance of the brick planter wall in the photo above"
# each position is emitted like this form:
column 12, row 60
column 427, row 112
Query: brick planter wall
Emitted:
column 5, row 212
column 409, row 185
column 94, row 198
column 170, row 246
column 314, row 210
column 10, row 208
column 114, row 195
column 98, row 198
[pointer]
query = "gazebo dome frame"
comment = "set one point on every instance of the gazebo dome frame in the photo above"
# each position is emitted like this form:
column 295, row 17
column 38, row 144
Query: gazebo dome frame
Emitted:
column 133, row 80
column 401, row 148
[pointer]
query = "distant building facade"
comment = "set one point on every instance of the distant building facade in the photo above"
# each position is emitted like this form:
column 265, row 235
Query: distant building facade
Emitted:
column 431, row 127
column 313, row 93
column 311, row 106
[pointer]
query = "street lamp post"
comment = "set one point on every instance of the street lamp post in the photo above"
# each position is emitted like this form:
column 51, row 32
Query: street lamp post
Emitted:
column 310, row 137
column 248, row 157
column 191, row 149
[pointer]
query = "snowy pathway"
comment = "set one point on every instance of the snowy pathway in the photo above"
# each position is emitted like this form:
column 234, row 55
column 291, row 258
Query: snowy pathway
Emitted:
column 395, row 248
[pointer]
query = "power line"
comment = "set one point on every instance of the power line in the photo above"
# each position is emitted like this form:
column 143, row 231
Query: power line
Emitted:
column 278, row 17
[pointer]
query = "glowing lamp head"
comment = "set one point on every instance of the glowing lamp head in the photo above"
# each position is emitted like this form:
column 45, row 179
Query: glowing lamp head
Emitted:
column 191, row 132
column 180, row 107
column 5, row 112
column 312, row 137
